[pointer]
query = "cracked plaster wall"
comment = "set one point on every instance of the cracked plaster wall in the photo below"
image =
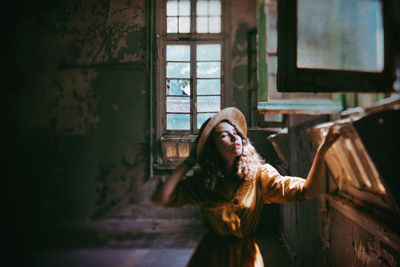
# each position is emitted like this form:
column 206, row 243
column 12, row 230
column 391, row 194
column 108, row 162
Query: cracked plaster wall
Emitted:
column 242, row 19
column 77, row 109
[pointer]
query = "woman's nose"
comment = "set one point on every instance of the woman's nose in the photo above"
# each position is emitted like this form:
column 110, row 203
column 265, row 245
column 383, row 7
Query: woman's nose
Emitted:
column 234, row 137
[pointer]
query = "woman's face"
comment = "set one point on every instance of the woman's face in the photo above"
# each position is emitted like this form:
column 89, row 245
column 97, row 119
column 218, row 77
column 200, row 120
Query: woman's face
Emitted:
column 228, row 141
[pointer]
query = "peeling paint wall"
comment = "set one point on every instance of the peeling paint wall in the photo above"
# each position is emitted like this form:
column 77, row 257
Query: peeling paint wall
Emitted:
column 78, row 109
column 242, row 20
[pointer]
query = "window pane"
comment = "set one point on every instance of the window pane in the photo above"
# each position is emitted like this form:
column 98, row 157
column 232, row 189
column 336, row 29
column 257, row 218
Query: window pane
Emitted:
column 171, row 150
column 178, row 104
column 172, row 24
column 178, row 87
column 172, row 8
column 209, row 87
column 342, row 35
column 178, row 53
column 184, row 150
column 178, row 70
column 178, row 121
column 184, row 24
column 184, row 8
column 208, row 69
column 202, row 24
column 208, row 52
column 208, row 103
column 215, row 8
column 215, row 24
column 201, row 118
column 202, row 8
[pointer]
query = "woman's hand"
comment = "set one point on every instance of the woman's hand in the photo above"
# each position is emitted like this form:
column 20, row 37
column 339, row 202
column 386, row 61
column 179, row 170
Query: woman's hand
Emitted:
column 330, row 138
column 314, row 177
column 163, row 193
column 191, row 160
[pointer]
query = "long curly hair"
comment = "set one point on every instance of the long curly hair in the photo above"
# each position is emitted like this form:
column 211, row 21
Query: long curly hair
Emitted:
column 212, row 162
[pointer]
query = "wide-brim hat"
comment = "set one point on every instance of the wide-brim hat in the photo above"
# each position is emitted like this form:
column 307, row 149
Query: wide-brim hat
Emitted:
column 233, row 115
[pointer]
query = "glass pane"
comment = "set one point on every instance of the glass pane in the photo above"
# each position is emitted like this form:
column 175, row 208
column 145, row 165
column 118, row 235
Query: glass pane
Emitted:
column 171, row 150
column 172, row 8
column 208, row 103
column 172, row 24
column 202, row 24
column 183, row 149
column 208, row 69
column 178, row 70
column 178, row 53
column 342, row 35
column 209, row 87
column 215, row 24
column 208, row 52
column 201, row 118
column 178, row 87
column 178, row 121
column 202, row 8
column 178, row 104
column 215, row 8
column 184, row 8
column 184, row 24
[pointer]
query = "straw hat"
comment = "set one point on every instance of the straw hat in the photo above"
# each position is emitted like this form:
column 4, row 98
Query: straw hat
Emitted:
column 233, row 115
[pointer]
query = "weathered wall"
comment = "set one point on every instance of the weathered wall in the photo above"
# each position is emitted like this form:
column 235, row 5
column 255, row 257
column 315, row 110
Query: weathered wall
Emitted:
column 242, row 20
column 78, row 109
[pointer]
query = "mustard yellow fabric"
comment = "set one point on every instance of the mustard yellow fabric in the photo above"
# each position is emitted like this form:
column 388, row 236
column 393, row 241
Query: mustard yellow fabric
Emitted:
column 238, row 215
column 233, row 214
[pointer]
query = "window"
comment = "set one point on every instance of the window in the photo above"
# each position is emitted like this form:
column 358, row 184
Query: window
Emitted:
column 190, row 67
column 272, row 103
column 334, row 46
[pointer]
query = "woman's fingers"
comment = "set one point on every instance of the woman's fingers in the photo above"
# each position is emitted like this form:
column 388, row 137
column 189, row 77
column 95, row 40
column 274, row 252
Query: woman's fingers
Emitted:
column 332, row 135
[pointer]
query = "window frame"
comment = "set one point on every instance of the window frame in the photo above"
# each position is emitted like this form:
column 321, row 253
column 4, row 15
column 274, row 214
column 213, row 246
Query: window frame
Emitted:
column 163, row 135
column 193, row 83
column 283, row 103
column 293, row 79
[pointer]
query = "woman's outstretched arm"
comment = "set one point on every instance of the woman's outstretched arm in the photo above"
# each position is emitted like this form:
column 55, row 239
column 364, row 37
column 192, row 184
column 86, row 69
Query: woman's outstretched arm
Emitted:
column 317, row 170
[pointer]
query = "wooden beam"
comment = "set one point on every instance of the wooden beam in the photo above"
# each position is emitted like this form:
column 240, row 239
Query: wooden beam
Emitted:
column 365, row 221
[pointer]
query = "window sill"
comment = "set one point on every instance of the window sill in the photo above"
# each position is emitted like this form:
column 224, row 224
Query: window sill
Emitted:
column 299, row 106
column 165, row 166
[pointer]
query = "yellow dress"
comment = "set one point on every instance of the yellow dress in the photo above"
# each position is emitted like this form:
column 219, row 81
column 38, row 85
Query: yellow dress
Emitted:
column 233, row 221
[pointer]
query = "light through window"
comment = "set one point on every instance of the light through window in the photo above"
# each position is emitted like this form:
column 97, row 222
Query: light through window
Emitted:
column 208, row 16
column 178, row 16
column 341, row 35
column 206, row 98
column 193, row 64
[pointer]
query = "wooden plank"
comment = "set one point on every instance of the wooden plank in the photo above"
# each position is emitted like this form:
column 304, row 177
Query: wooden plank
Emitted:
column 366, row 221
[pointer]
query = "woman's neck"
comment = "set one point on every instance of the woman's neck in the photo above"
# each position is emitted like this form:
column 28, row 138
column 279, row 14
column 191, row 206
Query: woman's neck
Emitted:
column 229, row 166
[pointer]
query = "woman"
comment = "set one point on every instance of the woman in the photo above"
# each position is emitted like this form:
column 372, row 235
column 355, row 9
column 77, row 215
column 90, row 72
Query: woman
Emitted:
column 231, row 186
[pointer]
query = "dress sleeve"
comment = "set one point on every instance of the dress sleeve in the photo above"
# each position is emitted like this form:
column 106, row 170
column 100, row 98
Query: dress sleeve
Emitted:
column 185, row 193
column 280, row 189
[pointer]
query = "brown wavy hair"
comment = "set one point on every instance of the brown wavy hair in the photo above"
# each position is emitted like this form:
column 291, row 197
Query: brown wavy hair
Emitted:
column 212, row 163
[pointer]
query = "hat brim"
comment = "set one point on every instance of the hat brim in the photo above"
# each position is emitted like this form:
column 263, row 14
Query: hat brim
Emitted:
column 233, row 115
